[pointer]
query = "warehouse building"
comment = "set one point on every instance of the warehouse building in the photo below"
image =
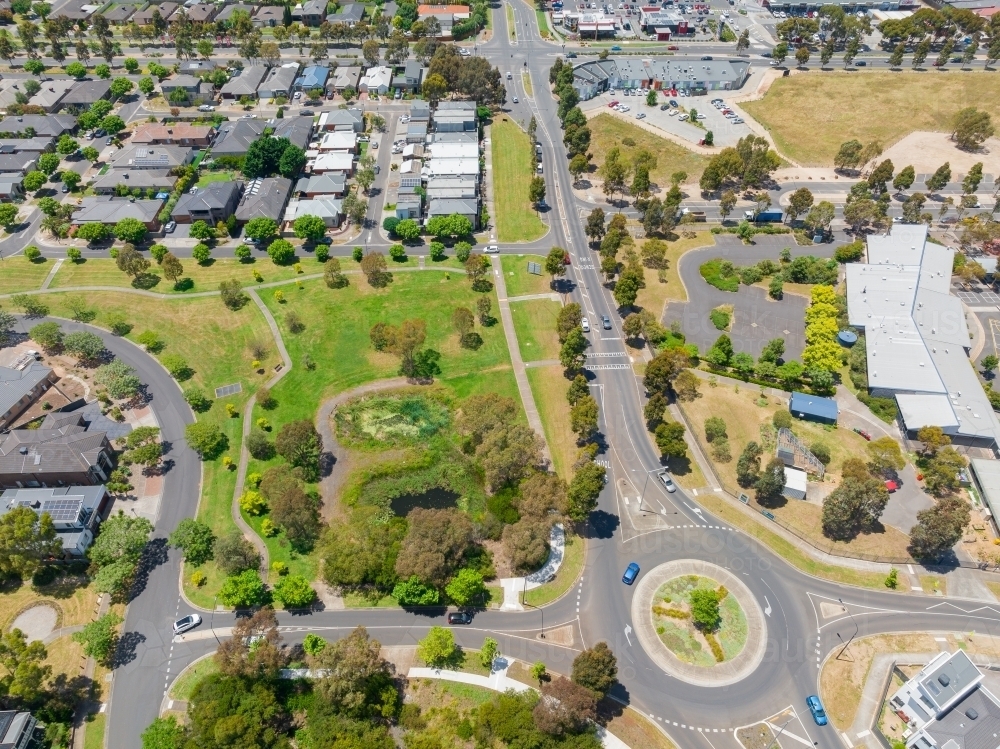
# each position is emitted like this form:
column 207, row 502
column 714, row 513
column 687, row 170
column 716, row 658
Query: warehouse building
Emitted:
column 668, row 74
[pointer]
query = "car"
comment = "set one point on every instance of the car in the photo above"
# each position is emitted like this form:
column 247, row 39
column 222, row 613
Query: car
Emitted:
column 738, row 121
column 109, row 141
column 378, row 169
column 33, row 354
column 640, row 115
column 249, row 240
column 668, row 483
column 399, row 94
column 571, row 55
column 616, row 48
column 673, row 102
column 375, row 144
column 706, row 57
column 306, row 113
column 860, row 64
column 673, row 112
column 464, row 52
column 683, row 117
column 614, row 103
column 631, row 573
column 298, row 95
column 324, row 240
column 514, row 100
column 100, row 132
column 170, row 226
column 206, row 108
column 765, row 54
column 404, row 119
column 701, row 116
column 664, row 107
column 185, row 623
column 509, row 76
column 605, row 322
column 459, row 617
column 249, row 117
column 816, row 708
column 585, row 324
column 492, row 249
column 672, row 47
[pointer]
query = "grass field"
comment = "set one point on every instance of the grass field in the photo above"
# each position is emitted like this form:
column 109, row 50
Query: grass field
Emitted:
column 607, row 132
column 94, row 736
column 511, row 23
column 535, row 323
column 208, row 178
column 811, row 135
column 549, row 386
column 75, row 604
column 182, row 688
column 656, row 294
column 513, row 169
column 569, row 571
column 519, row 281
column 526, row 80
column 19, row 274
column 104, row 272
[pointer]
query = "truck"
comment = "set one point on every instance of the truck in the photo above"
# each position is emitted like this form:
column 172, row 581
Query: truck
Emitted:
column 763, row 217
column 693, row 215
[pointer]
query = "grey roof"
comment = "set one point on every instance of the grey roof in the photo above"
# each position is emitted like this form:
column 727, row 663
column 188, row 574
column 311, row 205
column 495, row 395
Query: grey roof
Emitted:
column 86, row 93
column 314, row 8
column 15, row 384
column 413, row 71
column 264, row 198
column 350, row 13
column 26, row 145
column 949, row 679
column 68, row 506
column 322, row 183
column 42, row 124
column 298, row 130
column 151, row 157
column 335, row 117
column 10, row 185
column 17, row 162
column 119, row 13
column 269, row 13
column 420, row 110
column 280, row 79
column 110, row 210
column 213, row 197
column 226, row 13
column 144, row 178
column 956, row 730
column 456, row 106
column 52, row 93
column 346, row 77
column 986, row 474
column 446, row 207
column 14, row 726
column 681, row 69
column 389, row 10
column 456, row 136
column 68, row 449
column 90, row 416
column 246, row 83
column 181, row 81
column 235, row 137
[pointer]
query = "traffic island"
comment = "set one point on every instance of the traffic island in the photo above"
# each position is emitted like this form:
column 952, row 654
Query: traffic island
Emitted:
column 699, row 623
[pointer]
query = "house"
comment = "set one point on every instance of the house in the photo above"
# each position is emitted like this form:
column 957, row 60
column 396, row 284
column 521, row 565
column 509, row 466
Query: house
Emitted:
column 452, row 168
column 413, row 151
column 813, row 408
column 916, row 337
column 376, row 80
column 321, row 184
column 389, row 11
column 344, row 78
column 20, row 386
column 145, row 16
column 245, row 83
column 412, row 77
column 64, row 451
column 327, row 207
column 195, row 89
column 119, row 14
column 139, row 156
column 458, row 188
column 31, row 125
column 666, row 74
column 350, row 15
column 416, row 132
column 18, row 163
column 264, row 197
column 311, row 13
column 76, row 512
column 174, row 134
column 17, row 729
column 236, row 136
column 279, row 81
column 446, row 15
column 332, row 161
column 110, row 210
column 946, row 704
column 796, row 483
column 342, row 120
column 420, row 111
column 298, row 130
column 448, row 207
column 199, row 68
column 226, row 14
column 456, row 137
column 269, row 15
column 11, row 187
column 408, row 206
column 38, row 144
column 451, row 118
column 51, row 95
column 213, row 203
column 85, row 93
column 453, row 150
column 340, row 141
column 201, row 12
column 9, row 91
column 144, row 179
column 313, row 76
column 77, row 10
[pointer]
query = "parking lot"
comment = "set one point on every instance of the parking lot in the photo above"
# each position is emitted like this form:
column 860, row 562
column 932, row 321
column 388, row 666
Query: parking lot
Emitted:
column 725, row 132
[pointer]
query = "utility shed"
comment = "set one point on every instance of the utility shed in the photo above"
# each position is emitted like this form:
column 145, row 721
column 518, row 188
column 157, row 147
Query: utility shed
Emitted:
column 796, row 481
column 813, row 408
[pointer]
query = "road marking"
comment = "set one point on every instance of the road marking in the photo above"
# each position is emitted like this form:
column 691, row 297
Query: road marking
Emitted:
column 626, row 501
column 628, row 629
column 864, row 733
column 767, row 607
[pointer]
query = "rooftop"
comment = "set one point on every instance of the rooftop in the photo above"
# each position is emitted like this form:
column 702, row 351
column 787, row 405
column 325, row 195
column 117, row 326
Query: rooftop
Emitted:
column 264, row 197
column 111, row 210
column 152, row 132
column 246, row 83
column 86, row 93
column 151, row 157
column 16, row 383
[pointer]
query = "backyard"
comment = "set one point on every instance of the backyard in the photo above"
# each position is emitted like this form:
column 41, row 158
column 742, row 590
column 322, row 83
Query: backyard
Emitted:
column 513, row 168
column 912, row 101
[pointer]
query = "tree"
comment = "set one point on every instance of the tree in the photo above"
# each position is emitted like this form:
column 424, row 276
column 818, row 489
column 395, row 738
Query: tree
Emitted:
column 849, row 155
column 941, row 473
column 196, row 539
column 555, row 262
column 583, row 419
column 670, row 439
column 260, row 228
column 76, row 70
column 408, row 230
column 86, row 346
column 243, row 590
column 596, row 669
column 885, row 455
column 780, row 52
column 146, row 85
column 292, row 161
column 294, row 592
column 939, row 528
column 71, row 179
column 49, row 336
column 34, row 181
column 988, row 363
column 853, row 507
column 933, row 439
column 358, row 682
column 726, row 203
column 594, row 228
column 26, row 540
column 163, row 733
column 233, row 554
column 438, row 648
column 132, row 231
column 940, row 178
column 120, row 87
column 584, row 489
column 299, row 443
column 536, row 190
column 571, row 355
column 799, row 202
column 466, row 587
column 569, row 317
column 206, row 439
column 100, row 638
column 801, row 54
column 435, row 87
column 705, row 609
column 90, row 153
column 971, row 128
column 748, row 465
column 771, row 482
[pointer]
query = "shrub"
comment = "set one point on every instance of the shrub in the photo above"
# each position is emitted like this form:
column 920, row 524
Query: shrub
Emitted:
column 720, row 274
column 720, row 319
column 782, row 420
column 253, row 503
column 294, row 592
column 244, row 590
column 206, row 439
column 201, row 253
column 259, row 446
column 821, row 451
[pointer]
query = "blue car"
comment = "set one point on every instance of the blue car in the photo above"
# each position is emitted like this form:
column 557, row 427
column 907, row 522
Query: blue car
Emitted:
column 816, row 708
column 631, row 573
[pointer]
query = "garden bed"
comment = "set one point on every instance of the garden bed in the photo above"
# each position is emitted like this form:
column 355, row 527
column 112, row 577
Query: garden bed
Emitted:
column 673, row 618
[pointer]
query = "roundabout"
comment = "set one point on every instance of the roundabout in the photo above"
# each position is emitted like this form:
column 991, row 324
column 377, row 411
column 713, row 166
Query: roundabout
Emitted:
column 668, row 602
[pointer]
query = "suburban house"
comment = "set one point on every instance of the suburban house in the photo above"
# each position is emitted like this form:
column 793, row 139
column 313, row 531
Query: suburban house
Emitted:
column 51, row 95
column 916, row 337
column 18, row 163
column 311, row 13
column 298, row 130
column 446, row 15
column 416, row 132
column 145, row 16
column 11, row 187
column 139, row 156
column 412, row 77
column 62, row 452
column 346, row 142
column 110, row 210
column 76, row 512
column 119, row 14
column 264, row 197
column 175, row 134
column 469, row 136
column 196, row 90
column 342, row 119
column 446, row 207
column 321, row 184
column 85, row 93
column 235, row 137
column 269, row 15
column 39, row 145
column 377, row 80
column 31, row 125
column 455, row 116
column 350, row 15
column 279, row 82
column 201, row 12
column 327, row 207
column 20, row 387
column 344, row 78
column 313, row 77
column 245, row 83
column 199, row 67
column 420, row 111
column 226, row 14
column 17, row 729
column 213, row 203
column 408, row 203
column 389, row 10
column 459, row 188
column 332, row 161
column 108, row 183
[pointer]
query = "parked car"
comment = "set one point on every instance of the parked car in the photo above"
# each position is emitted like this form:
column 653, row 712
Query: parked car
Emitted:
column 816, row 708
column 640, row 115
column 206, row 108
column 706, row 57
column 664, row 107
column 298, row 95
column 631, row 573
column 672, row 47
column 185, row 623
column 170, row 226
column 65, row 188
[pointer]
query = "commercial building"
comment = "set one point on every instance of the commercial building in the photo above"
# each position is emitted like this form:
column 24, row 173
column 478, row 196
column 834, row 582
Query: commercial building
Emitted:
column 986, row 478
column 213, row 203
column 669, row 74
column 813, row 408
column 264, row 198
column 76, row 512
column 663, row 23
column 20, row 386
column 62, row 452
column 590, row 25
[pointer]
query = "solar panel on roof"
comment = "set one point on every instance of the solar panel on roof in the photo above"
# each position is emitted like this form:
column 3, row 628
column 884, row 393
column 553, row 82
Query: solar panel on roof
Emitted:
column 62, row 510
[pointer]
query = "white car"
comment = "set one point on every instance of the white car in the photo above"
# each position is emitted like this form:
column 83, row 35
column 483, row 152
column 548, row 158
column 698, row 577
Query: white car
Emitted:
column 585, row 324
column 375, row 144
column 492, row 249
column 464, row 52
column 188, row 622
column 668, row 483
column 298, row 95
column 683, row 117
column 206, row 108
column 673, row 112
column 640, row 115
column 405, row 118
column 701, row 116
column 514, row 100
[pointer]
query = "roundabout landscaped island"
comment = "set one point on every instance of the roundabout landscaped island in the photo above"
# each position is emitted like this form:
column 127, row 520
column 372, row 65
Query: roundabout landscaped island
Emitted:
column 699, row 623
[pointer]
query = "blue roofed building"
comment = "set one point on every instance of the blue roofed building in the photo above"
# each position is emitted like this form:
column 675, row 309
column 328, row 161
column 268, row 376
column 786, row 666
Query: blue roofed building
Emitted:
column 312, row 77
column 813, row 408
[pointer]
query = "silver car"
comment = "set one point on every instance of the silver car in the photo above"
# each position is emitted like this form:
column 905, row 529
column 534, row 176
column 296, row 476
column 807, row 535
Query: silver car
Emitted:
column 668, row 483
column 188, row 622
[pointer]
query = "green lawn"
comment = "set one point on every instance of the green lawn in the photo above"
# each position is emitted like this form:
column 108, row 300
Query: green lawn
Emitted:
column 569, row 572
column 93, row 737
column 535, row 323
column 104, row 272
column 513, row 169
column 208, row 178
column 549, row 387
column 185, row 684
column 511, row 23
column 519, row 281
column 19, row 274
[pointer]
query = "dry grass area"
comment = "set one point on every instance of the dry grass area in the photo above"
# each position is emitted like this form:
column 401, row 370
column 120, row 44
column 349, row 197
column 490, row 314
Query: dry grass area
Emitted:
column 20, row 274
column 656, row 294
column 607, row 132
column 631, row 726
column 549, row 388
column 66, row 657
column 994, row 589
column 915, row 101
column 75, row 603
column 934, row 584
column 842, row 681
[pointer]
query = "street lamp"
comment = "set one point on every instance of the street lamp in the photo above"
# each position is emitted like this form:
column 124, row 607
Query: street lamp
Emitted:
column 215, row 604
column 856, row 629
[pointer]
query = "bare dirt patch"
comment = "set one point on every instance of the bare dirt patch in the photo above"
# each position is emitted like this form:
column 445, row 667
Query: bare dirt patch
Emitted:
column 926, row 151
column 38, row 622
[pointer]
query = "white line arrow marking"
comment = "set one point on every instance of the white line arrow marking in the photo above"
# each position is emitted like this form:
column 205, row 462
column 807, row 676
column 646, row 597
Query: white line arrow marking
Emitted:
column 767, row 606
column 627, row 630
